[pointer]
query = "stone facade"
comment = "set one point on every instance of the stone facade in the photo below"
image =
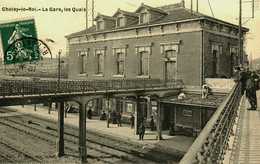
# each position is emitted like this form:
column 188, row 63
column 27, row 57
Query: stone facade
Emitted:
column 204, row 47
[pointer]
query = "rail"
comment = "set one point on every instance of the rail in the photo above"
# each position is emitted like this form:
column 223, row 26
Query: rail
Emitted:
column 37, row 87
column 211, row 144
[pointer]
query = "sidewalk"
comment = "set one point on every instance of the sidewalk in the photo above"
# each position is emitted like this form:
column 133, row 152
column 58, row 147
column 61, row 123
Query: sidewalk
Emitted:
column 170, row 143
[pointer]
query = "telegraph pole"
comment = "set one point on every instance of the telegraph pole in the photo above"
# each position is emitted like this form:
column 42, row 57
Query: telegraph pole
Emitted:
column 59, row 69
column 240, row 34
column 197, row 9
column 93, row 10
column 191, row 6
column 253, row 8
column 86, row 15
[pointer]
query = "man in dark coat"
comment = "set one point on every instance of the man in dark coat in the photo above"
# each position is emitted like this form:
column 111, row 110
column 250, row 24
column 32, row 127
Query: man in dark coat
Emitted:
column 152, row 125
column 243, row 76
column 141, row 131
column 256, row 79
column 119, row 116
column 132, row 121
column 103, row 116
column 89, row 114
column 251, row 92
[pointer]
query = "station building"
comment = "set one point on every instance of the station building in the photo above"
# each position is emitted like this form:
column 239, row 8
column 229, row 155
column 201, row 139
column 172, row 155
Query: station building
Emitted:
column 169, row 42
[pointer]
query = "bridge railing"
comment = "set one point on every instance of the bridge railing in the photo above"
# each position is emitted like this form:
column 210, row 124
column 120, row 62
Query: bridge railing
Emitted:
column 32, row 87
column 211, row 144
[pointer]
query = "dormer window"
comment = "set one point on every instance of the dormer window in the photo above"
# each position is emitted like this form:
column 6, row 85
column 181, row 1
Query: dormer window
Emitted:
column 148, row 14
column 144, row 18
column 120, row 22
column 100, row 25
column 125, row 18
column 104, row 22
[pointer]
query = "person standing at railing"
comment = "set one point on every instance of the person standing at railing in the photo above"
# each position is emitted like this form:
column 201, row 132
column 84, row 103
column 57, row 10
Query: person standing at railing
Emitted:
column 243, row 77
column 256, row 79
column 251, row 91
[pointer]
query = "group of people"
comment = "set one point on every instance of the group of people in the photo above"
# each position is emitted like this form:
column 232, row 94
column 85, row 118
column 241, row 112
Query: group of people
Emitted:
column 114, row 117
column 249, row 85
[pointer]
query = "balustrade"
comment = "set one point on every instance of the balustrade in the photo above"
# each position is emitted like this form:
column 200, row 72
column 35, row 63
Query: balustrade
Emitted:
column 33, row 87
column 211, row 144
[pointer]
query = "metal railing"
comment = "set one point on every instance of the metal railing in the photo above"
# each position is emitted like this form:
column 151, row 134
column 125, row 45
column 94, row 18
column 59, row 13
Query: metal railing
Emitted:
column 37, row 87
column 211, row 144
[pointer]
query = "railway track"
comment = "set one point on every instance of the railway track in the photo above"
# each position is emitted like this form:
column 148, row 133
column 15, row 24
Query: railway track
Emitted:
column 101, row 152
column 12, row 154
column 121, row 145
column 4, row 158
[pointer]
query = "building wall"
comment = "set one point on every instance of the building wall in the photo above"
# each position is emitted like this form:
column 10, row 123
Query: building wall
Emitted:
column 225, row 58
column 188, row 59
column 193, row 50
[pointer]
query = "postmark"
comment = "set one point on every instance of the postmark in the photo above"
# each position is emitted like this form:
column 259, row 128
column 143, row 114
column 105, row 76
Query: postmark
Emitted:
column 27, row 49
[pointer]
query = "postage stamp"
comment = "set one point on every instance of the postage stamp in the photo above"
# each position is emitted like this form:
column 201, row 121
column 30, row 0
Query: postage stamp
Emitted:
column 19, row 42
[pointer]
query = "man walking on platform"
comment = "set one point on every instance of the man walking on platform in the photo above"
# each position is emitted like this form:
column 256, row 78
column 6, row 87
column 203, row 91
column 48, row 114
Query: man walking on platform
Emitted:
column 141, row 131
column 132, row 121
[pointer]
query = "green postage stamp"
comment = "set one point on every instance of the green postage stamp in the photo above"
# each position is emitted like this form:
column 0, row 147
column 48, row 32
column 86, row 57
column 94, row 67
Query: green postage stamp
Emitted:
column 18, row 41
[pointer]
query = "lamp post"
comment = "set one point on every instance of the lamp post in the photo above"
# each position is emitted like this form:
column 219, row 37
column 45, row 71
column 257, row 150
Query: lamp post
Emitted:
column 240, row 42
column 59, row 71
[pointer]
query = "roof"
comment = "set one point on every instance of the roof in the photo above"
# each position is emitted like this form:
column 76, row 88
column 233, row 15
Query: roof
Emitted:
column 175, row 14
column 91, row 29
column 212, row 101
column 150, row 8
column 126, row 13
column 104, row 16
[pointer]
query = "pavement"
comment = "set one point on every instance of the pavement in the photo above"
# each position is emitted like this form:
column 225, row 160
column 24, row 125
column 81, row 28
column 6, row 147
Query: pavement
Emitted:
column 169, row 143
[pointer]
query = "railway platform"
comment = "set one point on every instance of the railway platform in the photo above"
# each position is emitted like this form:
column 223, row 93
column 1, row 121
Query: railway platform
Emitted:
column 169, row 144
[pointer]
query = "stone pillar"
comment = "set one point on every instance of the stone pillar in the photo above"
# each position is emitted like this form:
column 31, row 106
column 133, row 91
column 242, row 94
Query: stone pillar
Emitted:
column 149, row 109
column 82, row 133
column 136, row 106
column 159, row 120
column 60, row 142
column 107, row 109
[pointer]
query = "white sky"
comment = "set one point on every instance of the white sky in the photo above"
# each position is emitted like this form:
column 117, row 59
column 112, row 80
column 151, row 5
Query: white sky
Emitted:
column 56, row 25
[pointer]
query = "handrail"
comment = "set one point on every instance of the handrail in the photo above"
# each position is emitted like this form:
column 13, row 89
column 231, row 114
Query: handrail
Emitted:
column 210, row 145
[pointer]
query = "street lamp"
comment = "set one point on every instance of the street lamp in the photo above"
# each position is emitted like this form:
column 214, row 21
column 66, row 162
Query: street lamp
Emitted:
column 59, row 71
